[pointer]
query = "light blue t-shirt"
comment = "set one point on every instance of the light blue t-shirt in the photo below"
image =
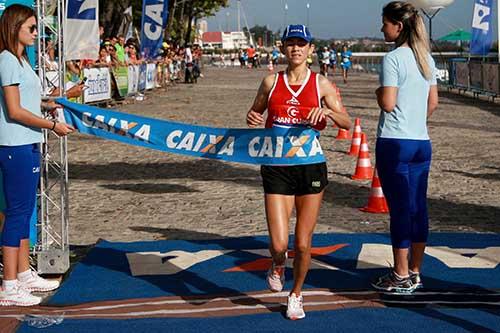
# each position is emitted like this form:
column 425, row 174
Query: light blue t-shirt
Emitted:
column 13, row 133
column 408, row 120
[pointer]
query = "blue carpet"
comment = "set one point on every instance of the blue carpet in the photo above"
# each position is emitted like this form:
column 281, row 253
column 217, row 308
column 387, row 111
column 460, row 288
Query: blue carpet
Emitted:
column 105, row 274
column 385, row 320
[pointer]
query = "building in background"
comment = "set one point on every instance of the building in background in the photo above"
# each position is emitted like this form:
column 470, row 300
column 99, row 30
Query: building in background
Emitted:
column 225, row 40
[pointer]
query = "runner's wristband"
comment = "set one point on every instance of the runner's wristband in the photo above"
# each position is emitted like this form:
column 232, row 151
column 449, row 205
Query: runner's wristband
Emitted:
column 53, row 126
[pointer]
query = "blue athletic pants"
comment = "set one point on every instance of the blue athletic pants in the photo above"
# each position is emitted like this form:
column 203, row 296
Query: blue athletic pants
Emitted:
column 20, row 168
column 403, row 168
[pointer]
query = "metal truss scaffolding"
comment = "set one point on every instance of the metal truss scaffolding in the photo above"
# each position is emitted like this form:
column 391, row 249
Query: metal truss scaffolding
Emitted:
column 52, row 248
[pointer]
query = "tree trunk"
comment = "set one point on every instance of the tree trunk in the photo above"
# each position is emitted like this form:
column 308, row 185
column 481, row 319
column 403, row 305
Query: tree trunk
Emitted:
column 190, row 23
column 112, row 15
column 171, row 18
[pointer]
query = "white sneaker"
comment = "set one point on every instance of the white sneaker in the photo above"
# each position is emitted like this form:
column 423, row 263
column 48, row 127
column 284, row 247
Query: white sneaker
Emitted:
column 295, row 308
column 18, row 297
column 37, row 283
column 276, row 277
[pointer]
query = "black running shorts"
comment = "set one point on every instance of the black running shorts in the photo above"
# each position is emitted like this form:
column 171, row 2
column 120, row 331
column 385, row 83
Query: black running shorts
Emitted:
column 295, row 179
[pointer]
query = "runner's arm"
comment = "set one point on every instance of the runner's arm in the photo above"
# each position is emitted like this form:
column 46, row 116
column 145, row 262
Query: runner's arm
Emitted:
column 334, row 108
column 254, row 115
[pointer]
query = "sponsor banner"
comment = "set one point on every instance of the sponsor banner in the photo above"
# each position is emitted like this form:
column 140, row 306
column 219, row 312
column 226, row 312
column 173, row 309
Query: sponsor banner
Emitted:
column 476, row 77
column 482, row 27
column 121, row 78
column 491, row 81
column 150, row 76
column 81, row 30
column 142, row 77
column 98, row 83
column 154, row 21
column 133, row 79
column 252, row 146
column 462, row 74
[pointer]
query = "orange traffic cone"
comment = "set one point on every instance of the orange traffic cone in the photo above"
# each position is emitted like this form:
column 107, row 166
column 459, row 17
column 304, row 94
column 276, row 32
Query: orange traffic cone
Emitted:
column 356, row 138
column 364, row 168
column 376, row 201
column 343, row 134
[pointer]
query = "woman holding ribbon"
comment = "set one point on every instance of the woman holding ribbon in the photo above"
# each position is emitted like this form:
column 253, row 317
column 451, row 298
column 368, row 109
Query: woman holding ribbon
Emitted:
column 294, row 98
column 20, row 135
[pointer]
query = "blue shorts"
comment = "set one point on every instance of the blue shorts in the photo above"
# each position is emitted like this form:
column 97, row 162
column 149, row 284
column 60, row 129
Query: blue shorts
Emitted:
column 403, row 167
column 20, row 168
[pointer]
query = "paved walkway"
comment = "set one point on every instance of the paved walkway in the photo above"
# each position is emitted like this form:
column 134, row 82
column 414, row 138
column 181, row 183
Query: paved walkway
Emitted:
column 125, row 193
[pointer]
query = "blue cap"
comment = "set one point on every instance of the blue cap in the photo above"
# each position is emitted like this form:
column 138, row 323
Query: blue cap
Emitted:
column 298, row 31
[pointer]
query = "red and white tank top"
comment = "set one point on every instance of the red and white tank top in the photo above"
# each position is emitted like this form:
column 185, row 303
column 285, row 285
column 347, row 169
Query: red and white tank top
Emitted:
column 289, row 106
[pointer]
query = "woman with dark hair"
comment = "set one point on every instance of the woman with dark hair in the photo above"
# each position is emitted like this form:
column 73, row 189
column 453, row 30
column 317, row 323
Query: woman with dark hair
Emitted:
column 296, row 97
column 20, row 135
column 407, row 97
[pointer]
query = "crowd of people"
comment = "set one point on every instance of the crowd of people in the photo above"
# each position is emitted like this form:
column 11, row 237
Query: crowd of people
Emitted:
column 293, row 98
column 175, row 62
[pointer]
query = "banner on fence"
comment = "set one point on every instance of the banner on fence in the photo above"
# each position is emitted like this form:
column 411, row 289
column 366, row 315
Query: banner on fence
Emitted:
column 462, row 74
column 154, row 21
column 133, row 79
column 98, row 83
column 121, row 79
column 476, row 75
column 142, row 77
column 81, row 30
column 253, row 146
column 482, row 27
column 150, row 76
column 491, row 81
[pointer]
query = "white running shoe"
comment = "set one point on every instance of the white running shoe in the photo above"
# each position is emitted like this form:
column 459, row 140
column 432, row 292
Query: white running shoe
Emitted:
column 276, row 277
column 18, row 297
column 295, row 307
column 36, row 283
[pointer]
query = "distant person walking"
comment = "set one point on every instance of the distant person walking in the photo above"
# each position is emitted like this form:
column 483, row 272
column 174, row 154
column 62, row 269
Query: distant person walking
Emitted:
column 345, row 61
column 407, row 96
column 333, row 58
column 324, row 60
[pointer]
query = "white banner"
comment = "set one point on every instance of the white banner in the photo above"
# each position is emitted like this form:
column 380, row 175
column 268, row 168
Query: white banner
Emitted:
column 98, row 83
column 133, row 79
column 150, row 76
column 81, row 30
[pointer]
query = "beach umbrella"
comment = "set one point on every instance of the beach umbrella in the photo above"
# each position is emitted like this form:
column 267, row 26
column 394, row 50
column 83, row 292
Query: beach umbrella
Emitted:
column 457, row 35
column 431, row 6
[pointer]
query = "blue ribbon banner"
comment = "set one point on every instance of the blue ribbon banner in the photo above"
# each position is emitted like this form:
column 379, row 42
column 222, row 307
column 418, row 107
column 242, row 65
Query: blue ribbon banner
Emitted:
column 482, row 27
column 154, row 21
column 252, row 146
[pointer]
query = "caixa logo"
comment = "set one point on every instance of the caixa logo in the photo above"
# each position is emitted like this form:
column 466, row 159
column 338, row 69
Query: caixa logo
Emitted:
column 82, row 9
column 481, row 17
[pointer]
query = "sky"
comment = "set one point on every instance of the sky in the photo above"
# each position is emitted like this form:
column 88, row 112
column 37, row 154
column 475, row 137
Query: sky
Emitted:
column 335, row 18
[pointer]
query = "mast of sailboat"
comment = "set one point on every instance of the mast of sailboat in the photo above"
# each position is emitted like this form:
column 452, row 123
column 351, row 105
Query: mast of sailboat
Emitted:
column 246, row 23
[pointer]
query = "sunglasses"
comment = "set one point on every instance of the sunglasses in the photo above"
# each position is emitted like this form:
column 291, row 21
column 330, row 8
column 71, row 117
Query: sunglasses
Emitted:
column 298, row 42
column 33, row 28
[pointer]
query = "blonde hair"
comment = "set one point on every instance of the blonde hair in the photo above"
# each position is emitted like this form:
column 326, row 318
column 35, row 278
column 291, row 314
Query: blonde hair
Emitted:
column 413, row 32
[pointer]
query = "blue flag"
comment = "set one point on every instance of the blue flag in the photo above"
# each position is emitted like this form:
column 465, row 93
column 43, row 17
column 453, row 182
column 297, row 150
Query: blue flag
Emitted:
column 154, row 21
column 276, row 146
column 482, row 28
